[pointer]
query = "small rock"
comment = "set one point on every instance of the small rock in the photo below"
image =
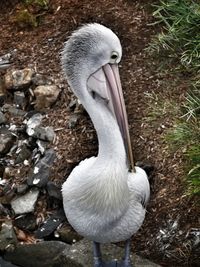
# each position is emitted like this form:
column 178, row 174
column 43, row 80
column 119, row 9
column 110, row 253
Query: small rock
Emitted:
column 40, row 79
column 54, row 191
column 7, row 194
column 42, row 254
column 43, row 133
column 26, row 203
column 45, row 95
column 6, row 263
column 18, row 79
column 34, row 121
column 35, row 130
column 68, row 235
column 3, row 211
column 50, row 225
column 42, row 145
column 7, row 139
column 41, row 172
column 13, row 110
column 23, row 154
column 2, row 169
column 2, row 118
column 20, row 99
column 7, row 235
column 72, row 104
column 2, row 91
column 26, row 222
column 5, row 61
column 72, row 122
column 22, row 188
column 75, row 106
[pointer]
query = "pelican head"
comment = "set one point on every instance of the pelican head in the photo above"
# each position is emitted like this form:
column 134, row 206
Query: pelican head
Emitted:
column 90, row 63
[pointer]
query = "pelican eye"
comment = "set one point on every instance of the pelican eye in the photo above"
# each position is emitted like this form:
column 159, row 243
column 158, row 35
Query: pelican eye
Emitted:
column 114, row 56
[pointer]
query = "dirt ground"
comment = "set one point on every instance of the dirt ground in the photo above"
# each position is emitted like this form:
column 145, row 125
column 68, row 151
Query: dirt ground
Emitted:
column 165, row 236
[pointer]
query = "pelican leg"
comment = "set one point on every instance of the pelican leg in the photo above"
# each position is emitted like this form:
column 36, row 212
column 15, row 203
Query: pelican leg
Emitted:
column 126, row 262
column 97, row 255
column 98, row 258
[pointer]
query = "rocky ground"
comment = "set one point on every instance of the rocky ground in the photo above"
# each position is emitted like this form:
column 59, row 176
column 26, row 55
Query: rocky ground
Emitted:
column 45, row 133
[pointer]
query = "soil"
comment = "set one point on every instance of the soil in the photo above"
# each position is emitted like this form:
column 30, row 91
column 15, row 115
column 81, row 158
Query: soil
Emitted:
column 172, row 215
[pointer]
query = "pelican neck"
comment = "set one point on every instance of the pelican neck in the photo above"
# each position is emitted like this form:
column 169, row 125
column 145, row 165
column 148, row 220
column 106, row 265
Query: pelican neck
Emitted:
column 111, row 145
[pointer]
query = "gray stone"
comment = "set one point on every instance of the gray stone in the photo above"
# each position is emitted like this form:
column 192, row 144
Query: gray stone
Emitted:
column 7, row 236
column 40, row 79
column 53, row 190
column 80, row 255
column 26, row 222
column 34, row 121
column 42, row 254
column 6, row 263
column 41, row 171
column 35, row 130
column 42, row 146
column 13, row 110
column 2, row 91
column 45, row 95
column 22, row 188
column 18, row 79
column 50, row 225
column 44, row 133
column 67, row 234
column 75, row 105
column 25, row 203
column 2, row 118
column 73, row 120
column 3, row 210
column 23, row 154
column 5, row 61
column 7, row 140
column 20, row 99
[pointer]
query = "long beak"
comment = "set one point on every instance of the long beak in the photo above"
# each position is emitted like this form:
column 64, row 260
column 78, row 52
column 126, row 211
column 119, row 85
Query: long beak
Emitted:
column 113, row 78
column 106, row 83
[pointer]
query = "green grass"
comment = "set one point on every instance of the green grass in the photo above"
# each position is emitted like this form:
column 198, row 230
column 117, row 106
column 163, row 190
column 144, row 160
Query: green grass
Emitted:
column 186, row 135
column 178, row 43
column 180, row 35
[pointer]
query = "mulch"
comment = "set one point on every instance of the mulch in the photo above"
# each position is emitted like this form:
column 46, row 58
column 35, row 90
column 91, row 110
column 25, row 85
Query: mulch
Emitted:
column 40, row 47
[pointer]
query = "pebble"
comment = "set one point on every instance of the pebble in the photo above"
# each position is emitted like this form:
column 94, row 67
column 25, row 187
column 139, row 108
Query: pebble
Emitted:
column 2, row 118
column 23, row 154
column 7, row 140
column 41, row 172
column 73, row 120
column 43, row 133
column 18, row 79
column 20, row 99
column 26, row 222
column 25, row 203
column 45, row 96
column 50, row 225
column 67, row 234
column 40, row 79
column 7, row 235
column 54, row 191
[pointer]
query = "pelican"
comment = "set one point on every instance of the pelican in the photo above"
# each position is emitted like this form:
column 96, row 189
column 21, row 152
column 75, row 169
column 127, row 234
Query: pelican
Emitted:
column 104, row 197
